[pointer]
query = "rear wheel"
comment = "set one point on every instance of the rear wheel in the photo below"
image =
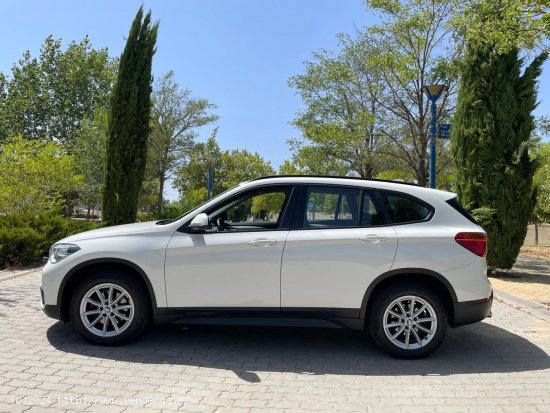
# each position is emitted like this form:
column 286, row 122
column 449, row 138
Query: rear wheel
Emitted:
column 408, row 320
column 109, row 308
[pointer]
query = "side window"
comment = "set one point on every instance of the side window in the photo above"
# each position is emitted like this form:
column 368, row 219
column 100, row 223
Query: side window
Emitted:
column 372, row 214
column 404, row 208
column 331, row 207
column 256, row 211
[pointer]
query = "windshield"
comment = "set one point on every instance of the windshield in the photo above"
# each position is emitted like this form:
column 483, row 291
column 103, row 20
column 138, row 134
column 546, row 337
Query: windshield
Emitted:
column 168, row 221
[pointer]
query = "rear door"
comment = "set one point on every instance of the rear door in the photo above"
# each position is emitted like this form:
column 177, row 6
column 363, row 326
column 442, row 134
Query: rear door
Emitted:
column 340, row 242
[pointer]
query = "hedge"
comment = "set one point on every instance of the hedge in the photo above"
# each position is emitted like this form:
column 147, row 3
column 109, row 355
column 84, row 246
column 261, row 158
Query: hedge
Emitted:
column 26, row 238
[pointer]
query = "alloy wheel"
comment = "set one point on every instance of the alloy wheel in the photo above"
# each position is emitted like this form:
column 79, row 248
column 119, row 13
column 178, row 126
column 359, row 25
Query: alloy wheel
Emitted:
column 410, row 322
column 106, row 310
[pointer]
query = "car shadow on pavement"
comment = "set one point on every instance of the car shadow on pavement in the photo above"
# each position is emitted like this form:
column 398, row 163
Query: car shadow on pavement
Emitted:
column 479, row 348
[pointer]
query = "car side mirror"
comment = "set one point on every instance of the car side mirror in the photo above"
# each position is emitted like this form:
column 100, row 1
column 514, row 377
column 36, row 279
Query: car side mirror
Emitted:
column 200, row 223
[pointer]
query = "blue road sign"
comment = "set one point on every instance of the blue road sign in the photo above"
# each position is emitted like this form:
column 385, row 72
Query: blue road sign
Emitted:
column 444, row 130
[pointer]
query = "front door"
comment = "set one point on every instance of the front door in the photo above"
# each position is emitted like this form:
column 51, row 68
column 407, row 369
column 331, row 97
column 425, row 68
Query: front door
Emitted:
column 235, row 264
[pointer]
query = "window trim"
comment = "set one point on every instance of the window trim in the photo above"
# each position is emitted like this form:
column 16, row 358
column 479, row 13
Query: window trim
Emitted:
column 301, row 199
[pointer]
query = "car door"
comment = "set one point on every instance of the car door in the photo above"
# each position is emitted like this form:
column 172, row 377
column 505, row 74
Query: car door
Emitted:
column 237, row 262
column 340, row 242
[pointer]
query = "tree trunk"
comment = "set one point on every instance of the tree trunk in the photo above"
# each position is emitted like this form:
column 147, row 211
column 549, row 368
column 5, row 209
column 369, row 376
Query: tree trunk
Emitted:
column 421, row 175
column 68, row 205
column 160, row 198
column 536, row 234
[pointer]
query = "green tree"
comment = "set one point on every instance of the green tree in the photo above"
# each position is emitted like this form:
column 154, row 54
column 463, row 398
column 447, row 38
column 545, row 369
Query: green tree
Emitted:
column 239, row 165
column 176, row 116
column 4, row 124
column 90, row 159
column 129, row 119
column 341, row 116
column 48, row 97
column 541, row 181
column 228, row 169
column 192, row 178
column 506, row 24
column 148, row 194
column 34, row 175
column 313, row 160
column 491, row 136
column 366, row 108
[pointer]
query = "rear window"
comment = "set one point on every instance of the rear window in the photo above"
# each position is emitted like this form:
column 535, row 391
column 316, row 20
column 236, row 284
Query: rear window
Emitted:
column 456, row 205
column 405, row 209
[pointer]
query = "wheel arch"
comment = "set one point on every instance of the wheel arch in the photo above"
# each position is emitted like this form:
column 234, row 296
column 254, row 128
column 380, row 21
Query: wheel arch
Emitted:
column 428, row 278
column 87, row 268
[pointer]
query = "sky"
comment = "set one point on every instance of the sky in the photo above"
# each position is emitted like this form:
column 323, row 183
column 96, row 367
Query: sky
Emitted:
column 239, row 54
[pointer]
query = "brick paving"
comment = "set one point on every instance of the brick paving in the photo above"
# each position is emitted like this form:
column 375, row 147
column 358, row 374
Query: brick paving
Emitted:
column 529, row 279
column 500, row 365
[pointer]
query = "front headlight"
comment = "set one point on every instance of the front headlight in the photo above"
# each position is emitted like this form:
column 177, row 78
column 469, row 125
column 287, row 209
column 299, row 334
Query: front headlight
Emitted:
column 60, row 251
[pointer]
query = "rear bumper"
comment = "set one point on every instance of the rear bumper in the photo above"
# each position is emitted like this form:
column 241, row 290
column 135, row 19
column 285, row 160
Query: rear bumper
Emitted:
column 468, row 312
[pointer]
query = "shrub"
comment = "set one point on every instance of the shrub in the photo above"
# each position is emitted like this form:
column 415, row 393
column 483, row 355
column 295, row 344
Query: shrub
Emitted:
column 34, row 175
column 25, row 238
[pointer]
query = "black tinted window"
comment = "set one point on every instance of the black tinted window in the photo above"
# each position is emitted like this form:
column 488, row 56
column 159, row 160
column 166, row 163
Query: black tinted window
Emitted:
column 329, row 207
column 372, row 214
column 403, row 208
column 456, row 205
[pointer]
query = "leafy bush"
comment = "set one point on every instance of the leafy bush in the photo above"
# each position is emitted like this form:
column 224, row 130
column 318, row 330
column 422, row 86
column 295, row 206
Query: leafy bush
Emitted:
column 34, row 175
column 172, row 209
column 25, row 238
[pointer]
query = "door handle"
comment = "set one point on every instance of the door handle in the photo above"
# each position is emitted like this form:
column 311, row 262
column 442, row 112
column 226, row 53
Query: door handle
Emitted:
column 373, row 238
column 262, row 242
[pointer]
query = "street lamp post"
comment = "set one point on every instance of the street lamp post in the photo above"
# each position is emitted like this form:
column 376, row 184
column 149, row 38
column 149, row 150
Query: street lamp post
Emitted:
column 433, row 92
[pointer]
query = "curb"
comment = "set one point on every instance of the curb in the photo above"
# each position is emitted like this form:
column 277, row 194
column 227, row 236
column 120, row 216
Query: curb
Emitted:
column 8, row 275
column 531, row 307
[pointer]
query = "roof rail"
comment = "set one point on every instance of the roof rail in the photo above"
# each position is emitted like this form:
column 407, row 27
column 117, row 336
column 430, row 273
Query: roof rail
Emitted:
column 338, row 177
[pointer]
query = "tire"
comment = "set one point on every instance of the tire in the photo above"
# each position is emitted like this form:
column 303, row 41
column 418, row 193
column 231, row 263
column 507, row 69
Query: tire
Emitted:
column 109, row 322
column 389, row 320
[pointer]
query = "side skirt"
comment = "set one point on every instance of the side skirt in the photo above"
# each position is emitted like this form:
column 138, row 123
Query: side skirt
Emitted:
column 291, row 317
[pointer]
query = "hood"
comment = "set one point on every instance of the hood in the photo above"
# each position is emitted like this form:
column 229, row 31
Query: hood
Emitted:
column 110, row 231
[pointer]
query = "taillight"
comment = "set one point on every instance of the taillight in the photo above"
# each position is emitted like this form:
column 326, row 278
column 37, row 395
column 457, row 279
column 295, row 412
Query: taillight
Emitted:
column 475, row 242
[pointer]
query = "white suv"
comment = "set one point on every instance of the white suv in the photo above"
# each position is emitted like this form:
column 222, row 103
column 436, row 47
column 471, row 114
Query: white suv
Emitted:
column 399, row 260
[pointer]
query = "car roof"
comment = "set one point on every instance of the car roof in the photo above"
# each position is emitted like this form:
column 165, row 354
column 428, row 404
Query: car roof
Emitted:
column 406, row 187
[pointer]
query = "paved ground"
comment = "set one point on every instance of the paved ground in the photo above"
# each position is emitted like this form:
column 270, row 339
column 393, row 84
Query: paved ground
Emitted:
column 528, row 280
column 501, row 365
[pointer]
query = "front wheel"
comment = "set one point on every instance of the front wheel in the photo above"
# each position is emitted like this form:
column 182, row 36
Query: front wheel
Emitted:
column 408, row 320
column 109, row 308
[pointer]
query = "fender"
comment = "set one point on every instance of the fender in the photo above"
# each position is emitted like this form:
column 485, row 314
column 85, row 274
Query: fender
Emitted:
column 401, row 271
column 130, row 264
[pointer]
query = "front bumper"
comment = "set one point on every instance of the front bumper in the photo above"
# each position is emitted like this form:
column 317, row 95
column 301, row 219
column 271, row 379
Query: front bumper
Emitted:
column 468, row 312
column 53, row 311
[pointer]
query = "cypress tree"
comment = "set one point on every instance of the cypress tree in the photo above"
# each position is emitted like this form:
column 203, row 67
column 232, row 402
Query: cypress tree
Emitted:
column 129, row 123
column 490, row 141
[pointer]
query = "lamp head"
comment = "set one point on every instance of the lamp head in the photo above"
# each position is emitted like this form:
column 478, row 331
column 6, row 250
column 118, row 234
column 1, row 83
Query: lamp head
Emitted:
column 434, row 91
